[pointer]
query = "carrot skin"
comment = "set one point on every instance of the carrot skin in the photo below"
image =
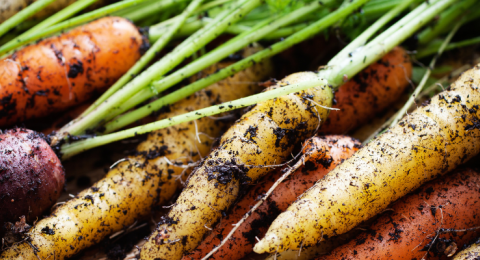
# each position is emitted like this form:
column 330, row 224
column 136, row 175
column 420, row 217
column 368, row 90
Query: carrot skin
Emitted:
column 470, row 253
column 369, row 92
column 407, row 231
column 132, row 187
column 425, row 144
column 60, row 72
column 263, row 136
column 322, row 154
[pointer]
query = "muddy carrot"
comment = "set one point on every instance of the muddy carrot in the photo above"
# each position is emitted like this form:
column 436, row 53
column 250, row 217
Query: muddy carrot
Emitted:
column 265, row 135
column 470, row 253
column 424, row 145
column 63, row 71
column 321, row 154
column 432, row 222
column 369, row 92
column 133, row 186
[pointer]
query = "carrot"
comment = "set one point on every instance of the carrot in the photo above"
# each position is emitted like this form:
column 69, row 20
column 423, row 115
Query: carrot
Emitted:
column 470, row 253
column 369, row 92
column 321, row 154
column 264, row 136
column 59, row 72
column 133, row 186
column 434, row 221
column 423, row 145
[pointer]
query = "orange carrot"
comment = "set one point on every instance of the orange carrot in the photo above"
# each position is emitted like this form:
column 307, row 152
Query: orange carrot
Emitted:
column 369, row 92
column 426, row 223
column 60, row 72
column 321, row 155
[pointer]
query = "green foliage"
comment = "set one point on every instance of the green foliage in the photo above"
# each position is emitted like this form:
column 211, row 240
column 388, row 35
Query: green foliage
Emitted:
column 286, row 6
column 354, row 24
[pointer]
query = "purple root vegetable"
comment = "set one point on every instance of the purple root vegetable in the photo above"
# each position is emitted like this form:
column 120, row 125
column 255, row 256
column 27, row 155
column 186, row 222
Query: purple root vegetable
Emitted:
column 31, row 175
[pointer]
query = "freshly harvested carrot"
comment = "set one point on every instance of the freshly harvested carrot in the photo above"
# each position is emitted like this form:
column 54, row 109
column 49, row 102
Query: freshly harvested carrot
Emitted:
column 321, row 154
column 470, row 253
column 133, row 186
column 263, row 136
column 424, row 145
column 60, row 72
column 433, row 221
column 266, row 135
column 369, row 92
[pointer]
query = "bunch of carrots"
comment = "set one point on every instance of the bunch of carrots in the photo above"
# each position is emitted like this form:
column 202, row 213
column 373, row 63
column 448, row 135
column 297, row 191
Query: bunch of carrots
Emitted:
column 270, row 182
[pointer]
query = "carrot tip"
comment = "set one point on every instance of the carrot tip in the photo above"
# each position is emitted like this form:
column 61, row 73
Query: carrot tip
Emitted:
column 262, row 246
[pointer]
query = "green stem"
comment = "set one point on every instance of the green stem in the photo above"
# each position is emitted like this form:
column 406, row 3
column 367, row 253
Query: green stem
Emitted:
column 212, row 57
column 420, row 86
column 190, row 27
column 474, row 13
column 148, row 56
column 211, row 4
column 193, row 24
column 383, row 43
column 285, row 31
column 68, row 24
column 26, row 25
column 433, row 47
column 148, row 9
column 375, row 9
column 278, row 47
column 447, row 19
column 177, row 76
column 398, row 115
column 68, row 150
column 405, row 20
column 367, row 34
column 147, row 76
column 168, row 62
column 56, row 18
column 437, row 85
column 357, row 62
column 236, row 29
column 23, row 15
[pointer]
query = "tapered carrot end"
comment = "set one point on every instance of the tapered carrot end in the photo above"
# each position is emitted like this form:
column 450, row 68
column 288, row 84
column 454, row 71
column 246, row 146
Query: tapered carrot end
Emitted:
column 267, row 244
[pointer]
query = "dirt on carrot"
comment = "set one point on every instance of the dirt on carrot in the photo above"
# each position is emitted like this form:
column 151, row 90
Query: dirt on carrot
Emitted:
column 369, row 92
column 470, row 253
column 148, row 178
column 424, row 145
column 431, row 223
column 60, row 72
column 321, row 154
column 262, row 137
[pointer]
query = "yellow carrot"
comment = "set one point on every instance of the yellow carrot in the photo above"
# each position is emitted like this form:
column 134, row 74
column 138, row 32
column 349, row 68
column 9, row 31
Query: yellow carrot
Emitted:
column 132, row 187
column 424, row 145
